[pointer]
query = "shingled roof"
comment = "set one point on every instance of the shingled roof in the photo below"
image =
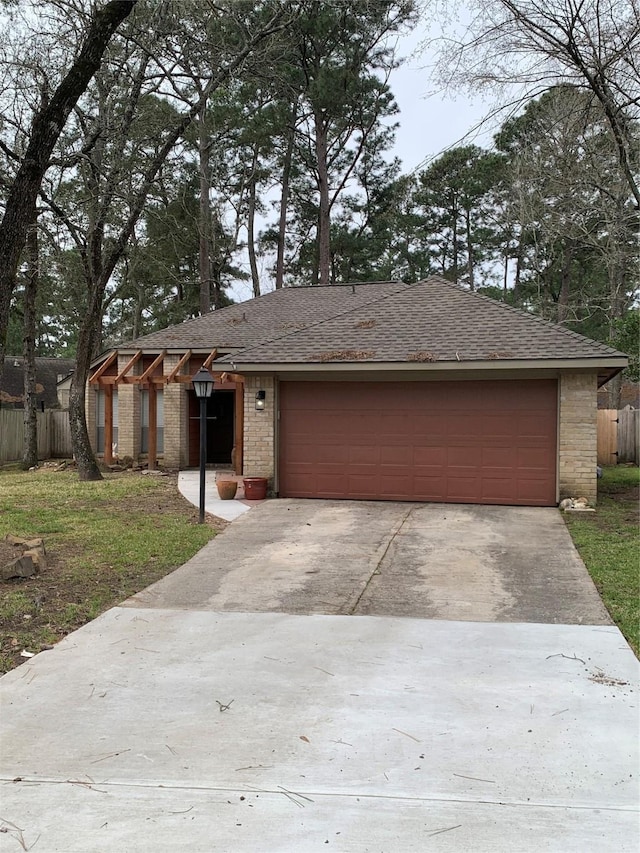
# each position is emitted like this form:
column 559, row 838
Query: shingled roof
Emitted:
column 431, row 322
column 266, row 318
column 48, row 371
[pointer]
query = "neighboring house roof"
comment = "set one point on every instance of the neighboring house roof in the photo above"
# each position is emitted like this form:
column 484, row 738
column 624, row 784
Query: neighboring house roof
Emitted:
column 431, row 322
column 48, row 372
column 629, row 396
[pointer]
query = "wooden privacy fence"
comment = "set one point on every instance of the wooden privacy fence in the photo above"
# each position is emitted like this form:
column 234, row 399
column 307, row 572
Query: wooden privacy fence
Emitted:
column 618, row 436
column 54, row 435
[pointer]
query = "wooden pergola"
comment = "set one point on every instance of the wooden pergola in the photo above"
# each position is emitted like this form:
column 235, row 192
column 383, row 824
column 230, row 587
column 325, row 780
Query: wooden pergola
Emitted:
column 151, row 380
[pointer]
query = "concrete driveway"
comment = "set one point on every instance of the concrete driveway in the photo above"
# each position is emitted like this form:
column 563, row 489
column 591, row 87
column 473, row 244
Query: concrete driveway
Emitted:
column 433, row 561
column 169, row 724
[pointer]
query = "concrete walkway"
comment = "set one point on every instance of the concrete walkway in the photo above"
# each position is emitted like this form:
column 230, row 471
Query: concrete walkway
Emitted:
column 189, row 486
column 167, row 724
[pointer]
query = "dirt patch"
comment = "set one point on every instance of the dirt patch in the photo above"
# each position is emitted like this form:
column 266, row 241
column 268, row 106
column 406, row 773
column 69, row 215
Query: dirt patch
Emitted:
column 78, row 583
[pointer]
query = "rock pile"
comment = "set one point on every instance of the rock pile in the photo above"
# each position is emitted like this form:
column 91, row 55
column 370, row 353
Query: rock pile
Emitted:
column 30, row 558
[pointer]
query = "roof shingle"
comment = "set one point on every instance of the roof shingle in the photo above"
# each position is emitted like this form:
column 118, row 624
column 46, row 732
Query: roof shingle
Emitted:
column 432, row 321
column 389, row 322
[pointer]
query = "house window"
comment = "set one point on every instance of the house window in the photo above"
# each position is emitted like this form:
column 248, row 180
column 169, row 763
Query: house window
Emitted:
column 144, row 421
column 100, row 407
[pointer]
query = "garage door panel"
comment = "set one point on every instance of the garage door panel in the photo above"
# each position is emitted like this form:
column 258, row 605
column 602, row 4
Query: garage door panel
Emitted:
column 531, row 490
column 463, row 488
column 497, row 489
column 471, row 442
column 461, row 426
column 463, row 456
column 396, row 455
column 419, row 423
column 364, row 455
column 496, row 459
column 533, row 425
column 430, row 488
column 430, row 456
column 499, row 426
column 534, row 459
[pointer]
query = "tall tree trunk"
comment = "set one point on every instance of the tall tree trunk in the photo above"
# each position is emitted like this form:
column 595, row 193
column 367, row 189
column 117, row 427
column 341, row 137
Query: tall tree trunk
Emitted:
column 251, row 220
column 324, row 211
column 45, row 130
column 205, row 214
column 87, row 337
column 565, row 283
column 284, row 198
column 470, row 258
column 454, row 216
column 30, row 452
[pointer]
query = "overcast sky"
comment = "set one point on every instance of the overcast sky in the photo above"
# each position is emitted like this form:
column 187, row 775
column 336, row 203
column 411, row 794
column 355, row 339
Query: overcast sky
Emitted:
column 431, row 123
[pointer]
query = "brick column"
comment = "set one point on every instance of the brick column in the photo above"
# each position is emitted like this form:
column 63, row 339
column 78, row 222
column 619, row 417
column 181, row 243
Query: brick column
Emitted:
column 176, row 427
column 259, row 428
column 128, row 414
column 90, row 414
column 577, row 438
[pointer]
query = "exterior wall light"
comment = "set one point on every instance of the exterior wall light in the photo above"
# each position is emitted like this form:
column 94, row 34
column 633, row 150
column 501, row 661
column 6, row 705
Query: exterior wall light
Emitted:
column 261, row 397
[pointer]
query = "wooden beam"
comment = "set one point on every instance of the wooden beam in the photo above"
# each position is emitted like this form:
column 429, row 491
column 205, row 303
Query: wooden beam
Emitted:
column 106, row 364
column 153, row 428
column 210, row 358
column 134, row 358
column 147, row 373
column 176, row 370
column 108, row 424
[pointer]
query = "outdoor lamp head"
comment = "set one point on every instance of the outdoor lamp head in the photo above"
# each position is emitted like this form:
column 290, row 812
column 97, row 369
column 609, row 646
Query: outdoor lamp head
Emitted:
column 203, row 383
column 261, row 397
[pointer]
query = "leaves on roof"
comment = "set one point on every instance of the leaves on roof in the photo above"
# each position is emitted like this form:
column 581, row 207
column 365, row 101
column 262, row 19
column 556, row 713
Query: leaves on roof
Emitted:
column 422, row 355
column 345, row 355
column 365, row 324
column 499, row 354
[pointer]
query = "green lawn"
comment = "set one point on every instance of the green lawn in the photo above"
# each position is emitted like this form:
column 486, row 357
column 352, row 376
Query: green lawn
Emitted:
column 105, row 541
column 609, row 543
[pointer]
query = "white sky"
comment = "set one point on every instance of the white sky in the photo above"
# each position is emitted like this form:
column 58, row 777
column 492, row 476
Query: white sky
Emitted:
column 431, row 123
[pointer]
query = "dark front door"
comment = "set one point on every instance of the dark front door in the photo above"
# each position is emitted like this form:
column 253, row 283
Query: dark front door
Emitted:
column 220, row 413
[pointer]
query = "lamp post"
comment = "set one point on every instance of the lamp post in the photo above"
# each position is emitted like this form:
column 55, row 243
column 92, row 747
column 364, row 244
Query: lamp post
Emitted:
column 203, row 386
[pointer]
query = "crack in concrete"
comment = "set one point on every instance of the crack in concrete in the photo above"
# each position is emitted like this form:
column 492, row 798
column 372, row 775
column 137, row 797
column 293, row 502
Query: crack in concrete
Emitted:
column 379, row 562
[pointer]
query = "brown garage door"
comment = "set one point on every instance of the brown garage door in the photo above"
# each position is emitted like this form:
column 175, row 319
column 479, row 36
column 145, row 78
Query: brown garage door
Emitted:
column 488, row 442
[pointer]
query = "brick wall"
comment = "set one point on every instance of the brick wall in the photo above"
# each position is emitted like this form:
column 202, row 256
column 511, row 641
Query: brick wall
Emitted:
column 259, row 429
column 90, row 414
column 176, row 425
column 577, row 439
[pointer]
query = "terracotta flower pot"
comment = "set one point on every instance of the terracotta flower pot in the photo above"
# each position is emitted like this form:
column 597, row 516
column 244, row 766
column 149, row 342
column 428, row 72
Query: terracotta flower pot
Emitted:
column 227, row 489
column 255, row 488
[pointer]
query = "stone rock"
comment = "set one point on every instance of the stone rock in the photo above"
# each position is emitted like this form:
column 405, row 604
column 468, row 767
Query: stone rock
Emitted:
column 21, row 567
column 38, row 556
column 19, row 541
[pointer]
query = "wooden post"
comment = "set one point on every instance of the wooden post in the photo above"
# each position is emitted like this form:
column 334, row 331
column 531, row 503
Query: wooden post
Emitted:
column 153, row 427
column 108, row 424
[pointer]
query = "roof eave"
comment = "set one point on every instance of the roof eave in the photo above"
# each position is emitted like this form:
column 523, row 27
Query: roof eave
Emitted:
column 608, row 366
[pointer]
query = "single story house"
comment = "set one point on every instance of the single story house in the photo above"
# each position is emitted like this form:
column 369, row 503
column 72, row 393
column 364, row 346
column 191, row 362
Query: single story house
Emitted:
column 384, row 390
column 50, row 373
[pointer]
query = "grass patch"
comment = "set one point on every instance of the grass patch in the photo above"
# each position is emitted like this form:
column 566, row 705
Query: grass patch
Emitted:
column 609, row 543
column 105, row 541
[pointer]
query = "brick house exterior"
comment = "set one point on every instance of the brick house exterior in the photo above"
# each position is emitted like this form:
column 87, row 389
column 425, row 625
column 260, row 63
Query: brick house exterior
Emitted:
column 490, row 404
